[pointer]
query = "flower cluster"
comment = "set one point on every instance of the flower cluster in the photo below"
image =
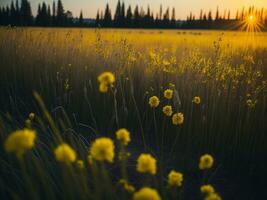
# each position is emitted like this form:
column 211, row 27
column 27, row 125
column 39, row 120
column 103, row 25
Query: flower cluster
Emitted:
column 20, row 141
column 105, row 80
column 102, row 149
column 175, row 179
column 65, row 154
column 206, row 162
column 146, row 164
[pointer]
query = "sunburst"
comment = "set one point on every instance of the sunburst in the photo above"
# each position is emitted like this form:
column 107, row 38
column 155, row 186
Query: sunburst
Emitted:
column 251, row 24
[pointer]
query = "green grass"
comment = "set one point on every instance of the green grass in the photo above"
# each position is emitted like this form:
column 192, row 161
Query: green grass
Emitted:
column 62, row 65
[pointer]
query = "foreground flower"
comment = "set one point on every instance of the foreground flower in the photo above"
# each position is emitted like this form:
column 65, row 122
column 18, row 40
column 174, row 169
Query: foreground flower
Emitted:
column 154, row 101
column 196, row 100
column 146, row 193
column 168, row 94
column 213, row 196
column 146, row 164
column 175, row 179
column 20, row 141
column 167, row 110
column 207, row 189
column 123, row 135
column 106, row 78
column 103, row 88
column 178, row 119
column 206, row 162
column 65, row 154
column 102, row 149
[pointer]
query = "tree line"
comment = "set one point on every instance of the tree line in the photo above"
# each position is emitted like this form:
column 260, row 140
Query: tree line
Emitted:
column 20, row 14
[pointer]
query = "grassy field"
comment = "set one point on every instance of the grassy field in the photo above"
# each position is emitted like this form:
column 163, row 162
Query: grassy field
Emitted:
column 219, row 84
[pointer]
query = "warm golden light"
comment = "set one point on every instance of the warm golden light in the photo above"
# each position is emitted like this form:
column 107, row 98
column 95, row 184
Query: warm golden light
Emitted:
column 251, row 24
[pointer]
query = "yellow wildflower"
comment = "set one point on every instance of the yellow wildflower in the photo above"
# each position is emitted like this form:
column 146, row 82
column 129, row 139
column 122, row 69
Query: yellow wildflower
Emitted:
column 154, row 101
column 146, row 193
column 146, row 164
column 103, row 88
column 102, row 149
column 167, row 110
column 175, row 178
column 250, row 103
column 20, row 141
column 65, row 154
column 168, row 94
column 123, row 135
column 206, row 162
column 213, row 196
column 196, row 100
column 106, row 78
column 178, row 118
column 207, row 189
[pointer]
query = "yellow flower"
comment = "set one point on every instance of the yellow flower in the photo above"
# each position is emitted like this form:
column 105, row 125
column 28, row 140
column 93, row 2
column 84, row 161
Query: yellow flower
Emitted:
column 20, row 141
column 103, row 88
column 206, row 161
column 128, row 187
column 167, row 110
column 207, row 189
column 250, row 103
column 175, row 178
column 178, row 118
column 146, row 193
column 123, row 135
column 213, row 196
column 168, row 93
column 102, row 149
column 65, row 154
column 80, row 164
column 146, row 164
column 196, row 100
column 31, row 116
column 154, row 101
column 106, row 78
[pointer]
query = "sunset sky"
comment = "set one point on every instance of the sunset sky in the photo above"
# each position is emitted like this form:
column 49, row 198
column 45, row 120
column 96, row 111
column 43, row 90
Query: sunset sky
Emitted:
column 183, row 7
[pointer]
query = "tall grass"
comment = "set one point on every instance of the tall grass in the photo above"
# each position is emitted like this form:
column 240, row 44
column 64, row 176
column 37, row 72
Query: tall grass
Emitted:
column 224, row 69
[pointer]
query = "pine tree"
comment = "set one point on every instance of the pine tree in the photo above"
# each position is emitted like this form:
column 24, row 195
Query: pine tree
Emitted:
column 107, row 17
column 117, row 15
column 26, row 13
column 129, row 16
column 49, row 17
column 54, row 13
column 217, row 17
column 122, row 15
column 12, row 14
column 60, row 14
column 38, row 16
column 81, row 21
column 173, row 20
column 97, row 21
column 201, row 15
column 166, row 18
column 136, row 16
column 160, row 12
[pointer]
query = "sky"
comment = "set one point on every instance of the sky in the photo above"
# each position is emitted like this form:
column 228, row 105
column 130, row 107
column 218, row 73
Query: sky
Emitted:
column 183, row 7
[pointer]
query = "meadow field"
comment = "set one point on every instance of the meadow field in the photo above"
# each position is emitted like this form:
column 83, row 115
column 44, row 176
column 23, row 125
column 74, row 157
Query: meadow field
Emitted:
column 57, row 96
